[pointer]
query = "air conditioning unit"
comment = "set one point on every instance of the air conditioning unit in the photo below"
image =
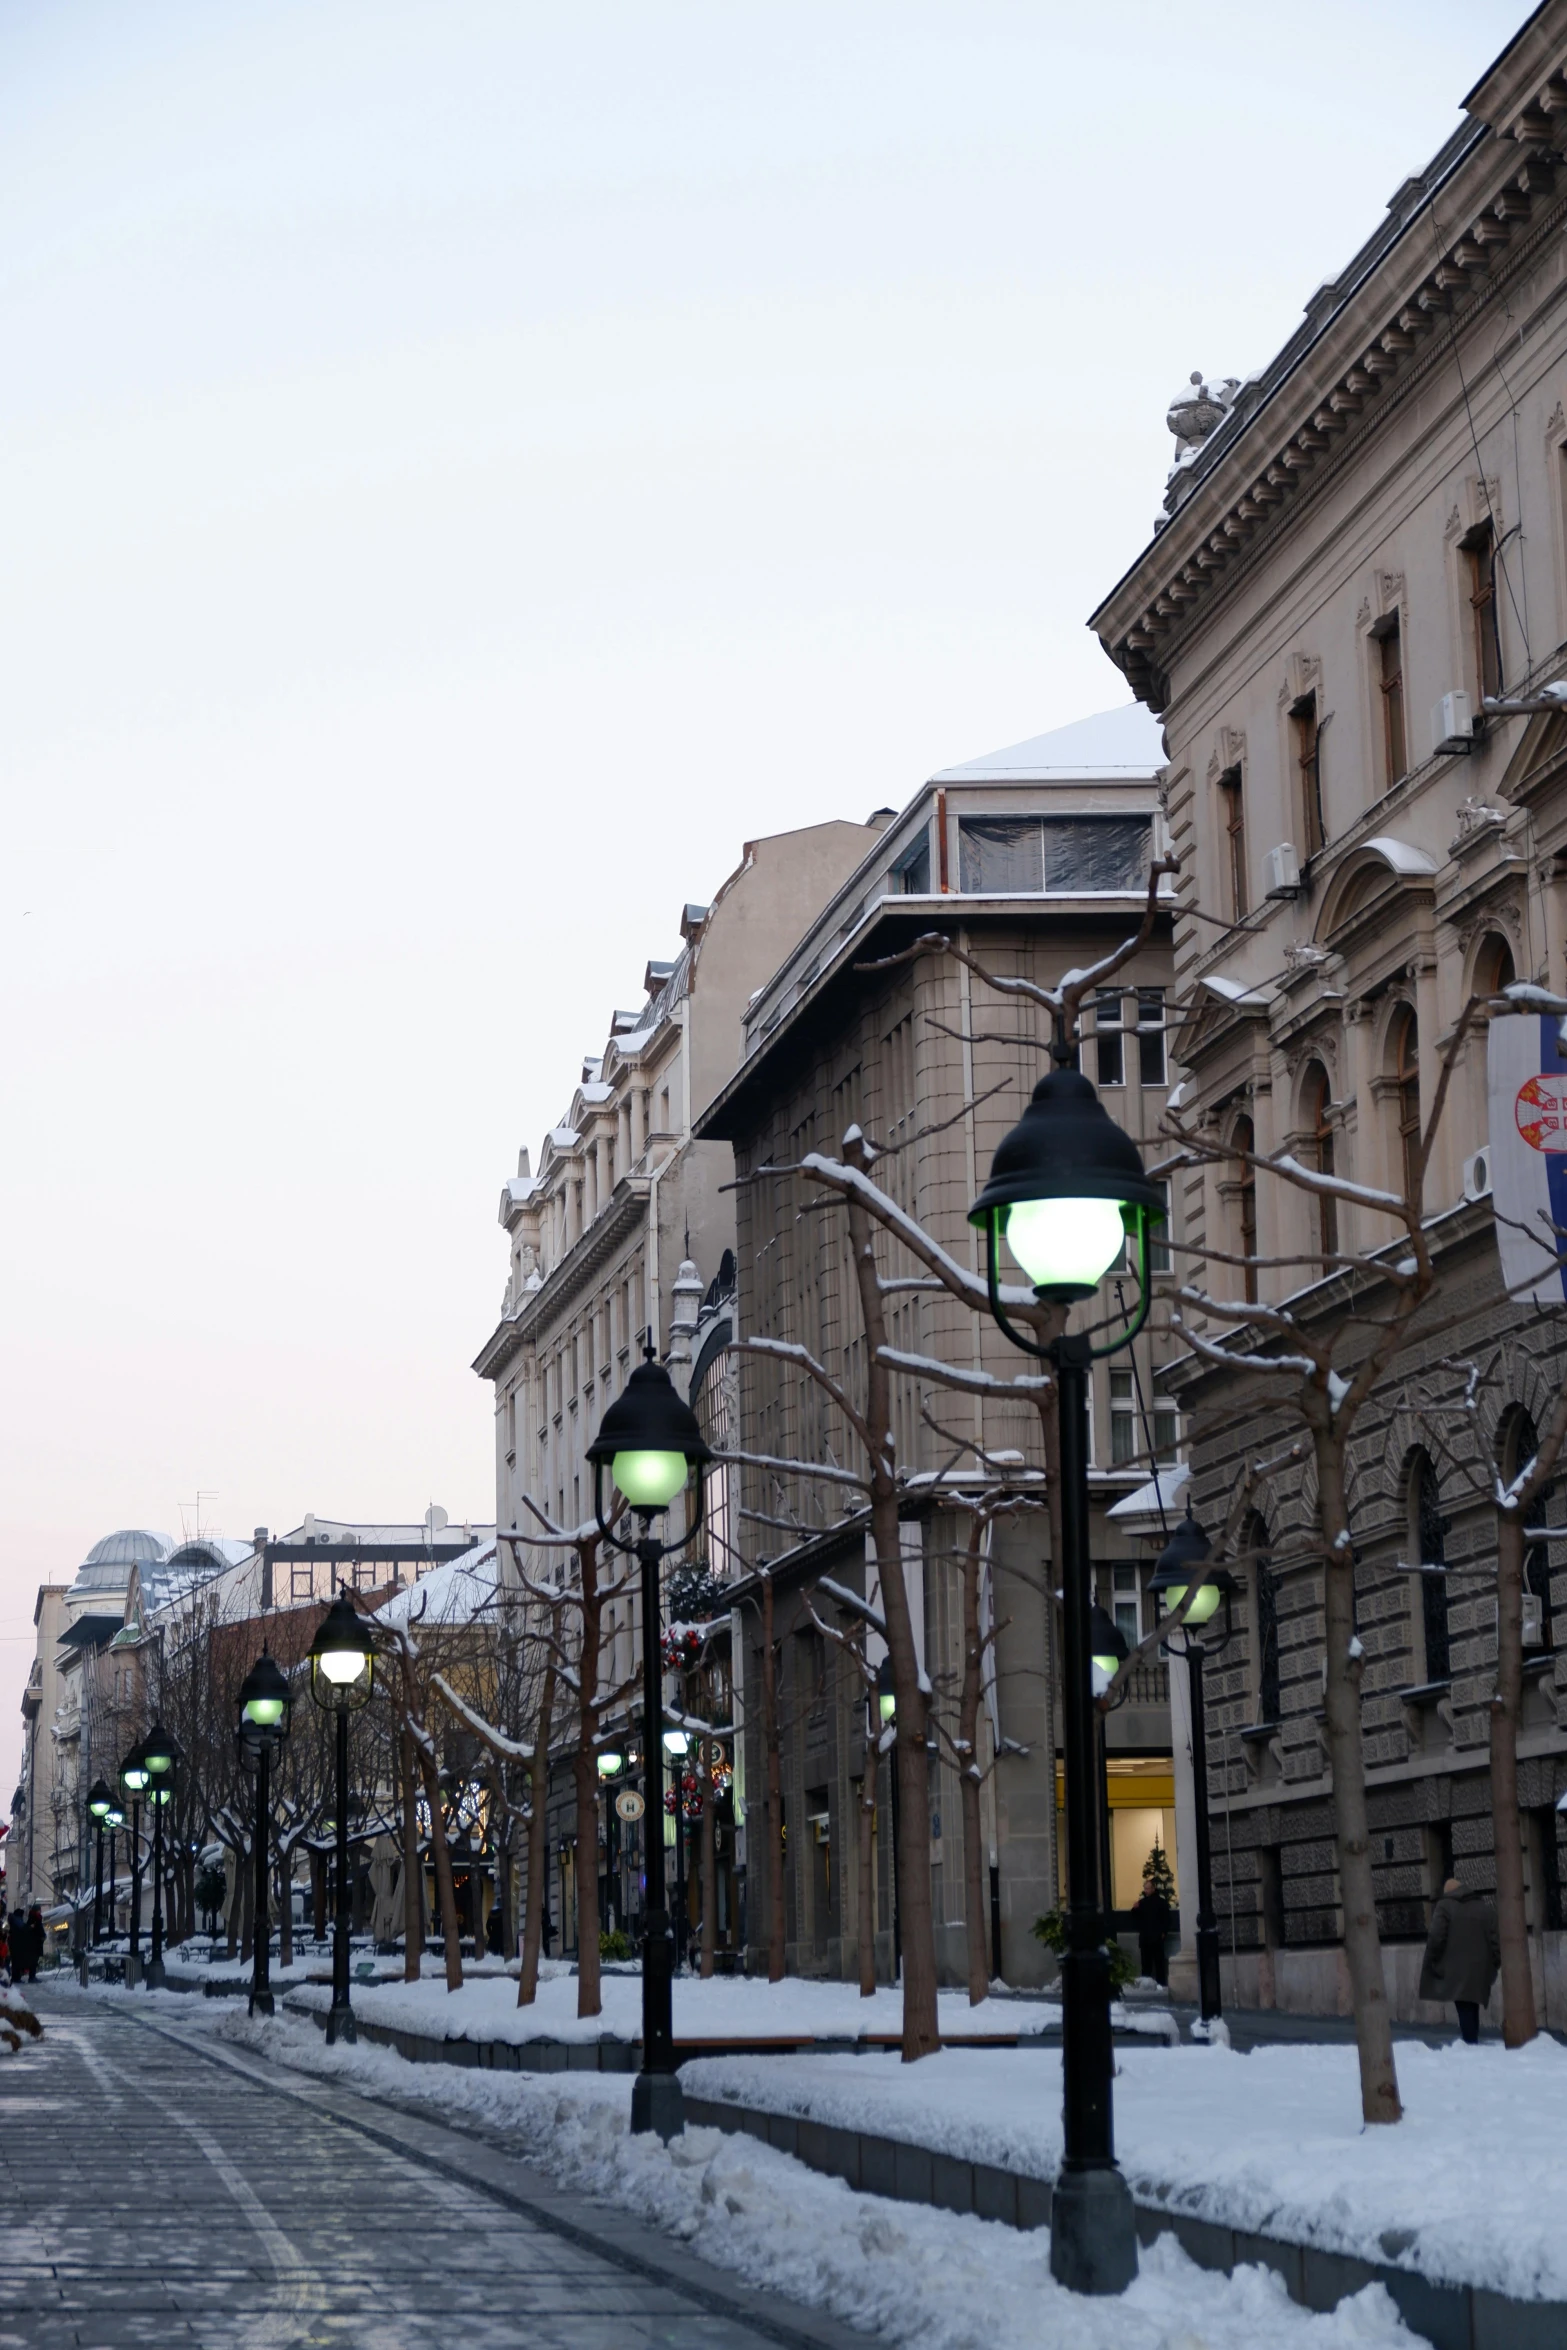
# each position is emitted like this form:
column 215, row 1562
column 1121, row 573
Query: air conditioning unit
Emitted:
column 1477, row 1174
column 1452, row 724
column 1533, row 1621
column 1281, row 871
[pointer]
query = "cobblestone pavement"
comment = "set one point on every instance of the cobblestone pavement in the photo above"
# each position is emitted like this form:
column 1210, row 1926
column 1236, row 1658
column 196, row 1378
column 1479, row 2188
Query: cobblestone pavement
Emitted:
column 158, row 2189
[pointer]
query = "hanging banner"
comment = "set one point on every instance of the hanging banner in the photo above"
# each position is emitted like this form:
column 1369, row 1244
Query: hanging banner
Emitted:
column 1526, row 1087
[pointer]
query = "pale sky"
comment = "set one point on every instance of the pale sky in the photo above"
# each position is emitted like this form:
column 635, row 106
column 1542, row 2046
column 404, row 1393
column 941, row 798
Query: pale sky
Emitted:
column 463, row 469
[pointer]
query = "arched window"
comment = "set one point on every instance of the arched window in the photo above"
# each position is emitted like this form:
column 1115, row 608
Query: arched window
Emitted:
column 1518, row 1441
column 1404, row 1061
column 1316, row 1112
column 1255, row 1542
column 1243, row 1138
column 1428, row 1551
column 1494, row 966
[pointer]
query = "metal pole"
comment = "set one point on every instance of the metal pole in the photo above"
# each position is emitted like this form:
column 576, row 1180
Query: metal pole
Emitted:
column 111, row 1884
column 1207, row 1923
column 340, row 2023
column 656, row 2101
column 260, row 1983
column 1093, row 2237
column 155, row 1962
column 679, row 1762
column 136, row 1878
column 897, row 1906
column 97, row 1892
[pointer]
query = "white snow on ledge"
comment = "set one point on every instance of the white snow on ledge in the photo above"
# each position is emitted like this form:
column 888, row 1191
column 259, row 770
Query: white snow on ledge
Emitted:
column 1467, row 2189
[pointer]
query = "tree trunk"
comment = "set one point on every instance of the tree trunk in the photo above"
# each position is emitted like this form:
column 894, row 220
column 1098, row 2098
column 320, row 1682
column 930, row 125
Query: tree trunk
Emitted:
column 774, row 1761
column 921, row 2036
column 285, row 1918
column 589, row 1987
column 1379, row 2100
column 231, row 1916
column 705, row 1757
column 975, row 1905
column 1519, row 2022
column 445, row 1885
column 413, row 1871
column 867, row 1901
column 538, row 1845
column 247, row 1908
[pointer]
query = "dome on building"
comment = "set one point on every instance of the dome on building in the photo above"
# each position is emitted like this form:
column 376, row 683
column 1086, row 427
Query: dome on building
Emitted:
column 108, row 1564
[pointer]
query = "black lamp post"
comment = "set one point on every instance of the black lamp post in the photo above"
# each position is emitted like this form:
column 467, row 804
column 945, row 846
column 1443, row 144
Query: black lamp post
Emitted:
column 650, row 1442
column 1180, row 1563
column 676, row 1748
column 886, row 1714
column 100, row 1802
column 1107, row 1654
column 1066, row 1190
column 342, row 1667
column 113, row 1820
column 264, row 1704
column 160, row 1754
column 133, row 1778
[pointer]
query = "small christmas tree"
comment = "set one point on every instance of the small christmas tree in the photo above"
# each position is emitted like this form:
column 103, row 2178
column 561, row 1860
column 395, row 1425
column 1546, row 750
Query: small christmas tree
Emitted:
column 1157, row 1866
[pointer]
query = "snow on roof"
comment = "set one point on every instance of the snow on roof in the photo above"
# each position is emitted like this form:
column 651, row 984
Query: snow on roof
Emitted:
column 1124, row 742
column 592, row 1091
column 632, row 1042
column 1161, row 1489
column 453, row 1594
column 1401, row 855
column 563, row 1137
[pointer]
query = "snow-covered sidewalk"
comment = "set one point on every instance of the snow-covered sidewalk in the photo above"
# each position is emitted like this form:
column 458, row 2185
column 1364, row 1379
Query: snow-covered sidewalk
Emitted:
column 1468, row 2189
column 728, row 2008
column 918, row 2278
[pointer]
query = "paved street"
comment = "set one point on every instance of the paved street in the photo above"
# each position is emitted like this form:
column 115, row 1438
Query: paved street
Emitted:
column 159, row 2189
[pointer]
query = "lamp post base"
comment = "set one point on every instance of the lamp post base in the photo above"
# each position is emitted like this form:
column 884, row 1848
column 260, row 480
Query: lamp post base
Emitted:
column 261, row 2003
column 340, row 2025
column 658, row 2103
column 154, row 1976
column 1093, row 2230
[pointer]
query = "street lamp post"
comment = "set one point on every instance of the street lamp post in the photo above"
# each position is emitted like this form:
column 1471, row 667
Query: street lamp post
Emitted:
column 100, row 1802
column 113, row 1820
column 160, row 1754
column 650, row 1442
column 264, row 1705
column 133, row 1778
column 886, row 1715
column 342, row 1668
column 1180, row 1563
column 1066, row 1190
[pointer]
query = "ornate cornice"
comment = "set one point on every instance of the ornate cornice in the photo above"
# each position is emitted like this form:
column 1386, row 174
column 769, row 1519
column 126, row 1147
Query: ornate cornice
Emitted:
column 1352, row 373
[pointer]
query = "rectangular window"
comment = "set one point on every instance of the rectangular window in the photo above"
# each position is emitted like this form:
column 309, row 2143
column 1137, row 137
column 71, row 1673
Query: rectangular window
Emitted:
column 1159, row 1258
column 1127, row 1618
column 1232, row 828
column 911, row 879
column 1111, row 1043
column 1308, row 764
column 301, row 1581
column 1390, row 681
column 1150, row 1037
column 1065, row 855
column 1123, row 1420
column 1479, row 550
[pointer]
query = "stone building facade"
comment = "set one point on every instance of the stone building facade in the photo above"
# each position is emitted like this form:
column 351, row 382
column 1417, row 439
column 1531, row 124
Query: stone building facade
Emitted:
column 625, row 1237
column 1035, row 860
column 1349, row 620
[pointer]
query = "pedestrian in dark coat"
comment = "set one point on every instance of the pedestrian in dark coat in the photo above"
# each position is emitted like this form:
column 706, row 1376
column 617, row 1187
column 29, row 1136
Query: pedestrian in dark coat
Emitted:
column 1463, row 1954
column 35, row 1941
column 1152, row 1914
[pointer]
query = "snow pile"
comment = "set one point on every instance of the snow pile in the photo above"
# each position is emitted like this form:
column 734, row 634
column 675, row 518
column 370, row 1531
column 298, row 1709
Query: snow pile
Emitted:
column 729, row 2007
column 18, row 2023
column 927, row 2279
column 1468, row 2188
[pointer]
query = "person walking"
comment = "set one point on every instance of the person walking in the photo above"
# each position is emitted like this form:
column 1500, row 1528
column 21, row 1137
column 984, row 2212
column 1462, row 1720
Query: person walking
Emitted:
column 1463, row 1955
column 1151, row 1913
column 35, row 1941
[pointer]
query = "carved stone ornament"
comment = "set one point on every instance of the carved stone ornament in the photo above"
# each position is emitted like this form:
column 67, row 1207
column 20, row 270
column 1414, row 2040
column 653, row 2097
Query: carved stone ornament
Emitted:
column 1197, row 411
column 1557, row 422
column 1302, row 674
column 1390, row 590
column 1363, row 613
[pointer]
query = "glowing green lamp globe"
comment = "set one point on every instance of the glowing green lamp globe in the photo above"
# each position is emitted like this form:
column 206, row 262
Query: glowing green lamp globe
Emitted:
column 1180, row 1563
column 1066, row 1188
column 1107, row 1650
column 264, row 1701
column 100, row 1801
column 648, row 1440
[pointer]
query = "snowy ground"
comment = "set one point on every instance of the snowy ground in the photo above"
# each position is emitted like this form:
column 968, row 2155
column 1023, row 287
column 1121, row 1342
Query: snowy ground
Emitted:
column 928, row 2280
column 1468, row 2188
column 189, row 1960
column 728, row 2007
